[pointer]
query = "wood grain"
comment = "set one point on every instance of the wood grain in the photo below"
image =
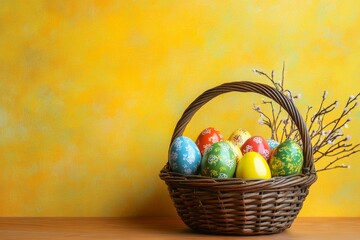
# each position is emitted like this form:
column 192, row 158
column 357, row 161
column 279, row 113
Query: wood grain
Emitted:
column 161, row 228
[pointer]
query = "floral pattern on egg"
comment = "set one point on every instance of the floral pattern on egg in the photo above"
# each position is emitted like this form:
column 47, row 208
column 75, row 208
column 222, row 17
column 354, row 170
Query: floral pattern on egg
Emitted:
column 272, row 143
column 239, row 137
column 184, row 156
column 256, row 144
column 219, row 161
column 208, row 137
column 287, row 159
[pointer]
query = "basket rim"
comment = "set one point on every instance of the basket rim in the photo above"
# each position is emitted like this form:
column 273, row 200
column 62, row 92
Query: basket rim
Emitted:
column 238, row 184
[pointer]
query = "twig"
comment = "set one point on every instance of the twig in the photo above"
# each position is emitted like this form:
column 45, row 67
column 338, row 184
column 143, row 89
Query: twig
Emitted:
column 326, row 136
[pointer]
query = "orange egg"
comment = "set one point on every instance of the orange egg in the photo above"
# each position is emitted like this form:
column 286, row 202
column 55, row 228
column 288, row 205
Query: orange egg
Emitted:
column 208, row 137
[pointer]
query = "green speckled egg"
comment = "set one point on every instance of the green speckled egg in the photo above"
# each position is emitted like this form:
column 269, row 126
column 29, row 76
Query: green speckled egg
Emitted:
column 287, row 159
column 219, row 161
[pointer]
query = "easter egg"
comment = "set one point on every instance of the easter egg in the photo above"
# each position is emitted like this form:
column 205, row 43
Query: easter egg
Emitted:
column 272, row 143
column 256, row 144
column 253, row 166
column 239, row 136
column 207, row 137
column 219, row 161
column 236, row 149
column 287, row 159
column 184, row 156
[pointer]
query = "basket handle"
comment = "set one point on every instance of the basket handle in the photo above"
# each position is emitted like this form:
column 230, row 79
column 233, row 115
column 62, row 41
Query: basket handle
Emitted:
column 263, row 89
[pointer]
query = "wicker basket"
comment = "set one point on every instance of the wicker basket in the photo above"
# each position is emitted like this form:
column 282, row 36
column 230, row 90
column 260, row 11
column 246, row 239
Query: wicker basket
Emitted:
column 236, row 206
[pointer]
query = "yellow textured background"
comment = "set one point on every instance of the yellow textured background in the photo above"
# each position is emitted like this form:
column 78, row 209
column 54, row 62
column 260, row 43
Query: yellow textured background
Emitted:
column 90, row 92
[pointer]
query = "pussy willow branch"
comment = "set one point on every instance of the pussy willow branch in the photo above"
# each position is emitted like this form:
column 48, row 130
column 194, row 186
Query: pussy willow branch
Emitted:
column 274, row 125
column 329, row 166
column 284, row 131
column 326, row 136
column 336, row 149
column 331, row 135
column 278, row 86
column 266, row 121
column 316, row 115
column 334, row 167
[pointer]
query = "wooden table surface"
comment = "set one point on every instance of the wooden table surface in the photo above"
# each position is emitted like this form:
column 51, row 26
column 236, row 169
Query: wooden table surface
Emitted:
column 162, row 228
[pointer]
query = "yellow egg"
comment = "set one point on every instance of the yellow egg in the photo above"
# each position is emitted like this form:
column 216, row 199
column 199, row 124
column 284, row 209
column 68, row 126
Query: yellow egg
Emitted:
column 253, row 166
column 239, row 136
column 236, row 150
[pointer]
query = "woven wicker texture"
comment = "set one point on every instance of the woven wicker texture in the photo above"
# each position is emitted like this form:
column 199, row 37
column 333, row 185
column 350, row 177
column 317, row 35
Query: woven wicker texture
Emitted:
column 237, row 206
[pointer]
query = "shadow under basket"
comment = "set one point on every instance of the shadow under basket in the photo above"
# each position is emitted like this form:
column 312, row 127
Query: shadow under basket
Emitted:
column 235, row 206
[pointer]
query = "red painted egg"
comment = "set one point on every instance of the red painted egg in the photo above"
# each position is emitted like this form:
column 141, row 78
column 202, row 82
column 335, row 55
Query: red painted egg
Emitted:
column 208, row 137
column 256, row 144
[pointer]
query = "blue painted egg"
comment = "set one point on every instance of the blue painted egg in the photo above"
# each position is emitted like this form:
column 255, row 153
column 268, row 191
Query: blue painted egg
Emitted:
column 184, row 156
column 272, row 143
